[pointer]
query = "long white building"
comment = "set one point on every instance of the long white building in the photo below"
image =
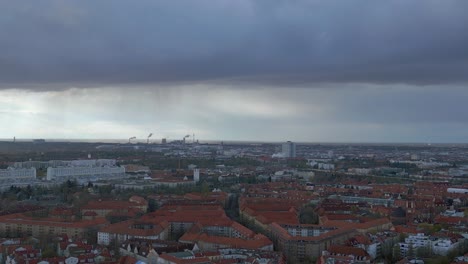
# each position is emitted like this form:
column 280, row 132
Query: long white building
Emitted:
column 64, row 163
column 18, row 173
column 17, row 177
column 441, row 246
column 84, row 173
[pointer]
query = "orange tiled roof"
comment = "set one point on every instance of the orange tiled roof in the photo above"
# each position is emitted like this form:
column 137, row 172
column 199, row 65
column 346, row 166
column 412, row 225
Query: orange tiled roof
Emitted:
column 260, row 241
column 20, row 218
column 344, row 250
column 176, row 260
column 128, row 227
column 108, row 205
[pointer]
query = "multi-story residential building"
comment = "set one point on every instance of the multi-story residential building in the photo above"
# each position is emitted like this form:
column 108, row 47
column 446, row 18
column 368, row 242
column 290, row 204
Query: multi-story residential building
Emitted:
column 17, row 177
column 344, row 255
column 445, row 245
column 440, row 246
column 149, row 250
column 155, row 229
column 173, row 182
column 16, row 225
column 64, row 163
column 213, row 235
column 211, row 243
column 103, row 208
column 412, row 242
column 256, row 256
column 370, row 200
column 84, row 173
column 288, row 150
column 263, row 214
column 300, row 241
column 182, row 258
column 183, row 217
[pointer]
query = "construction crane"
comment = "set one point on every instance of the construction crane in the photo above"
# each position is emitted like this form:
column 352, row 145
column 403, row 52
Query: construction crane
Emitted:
column 131, row 139
column 147, row 139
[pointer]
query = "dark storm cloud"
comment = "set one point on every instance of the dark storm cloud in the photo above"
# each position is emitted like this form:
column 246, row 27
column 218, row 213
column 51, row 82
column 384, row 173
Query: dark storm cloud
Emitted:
column 50, row 44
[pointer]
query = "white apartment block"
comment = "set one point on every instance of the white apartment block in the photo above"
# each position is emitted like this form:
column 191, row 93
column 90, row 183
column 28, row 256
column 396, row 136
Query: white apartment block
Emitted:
column 17, row 177
column 444, row 246
column 288, row 149
column 440, row 246
column 65, row 163
column 84, row 173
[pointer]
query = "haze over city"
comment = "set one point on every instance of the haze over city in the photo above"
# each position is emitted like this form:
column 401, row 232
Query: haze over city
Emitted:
column 316, row 71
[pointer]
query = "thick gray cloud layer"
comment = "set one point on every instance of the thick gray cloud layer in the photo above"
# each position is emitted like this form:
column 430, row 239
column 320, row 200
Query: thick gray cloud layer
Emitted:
column 58, row 44
column 392, row 71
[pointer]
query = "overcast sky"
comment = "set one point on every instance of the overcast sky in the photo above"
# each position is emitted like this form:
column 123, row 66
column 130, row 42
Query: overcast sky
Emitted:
column 270, row 70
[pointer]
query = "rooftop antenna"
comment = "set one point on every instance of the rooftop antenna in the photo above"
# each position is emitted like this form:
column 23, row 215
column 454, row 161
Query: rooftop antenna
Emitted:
column 147, row 139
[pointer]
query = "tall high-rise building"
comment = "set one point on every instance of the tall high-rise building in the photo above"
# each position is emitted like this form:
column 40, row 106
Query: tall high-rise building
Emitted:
column 289, row 149
column 196, row 175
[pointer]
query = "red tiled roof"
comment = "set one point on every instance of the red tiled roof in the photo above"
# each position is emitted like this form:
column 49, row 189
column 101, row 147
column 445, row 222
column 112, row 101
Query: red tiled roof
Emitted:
column 406, row 229
column 260, row 241
column 450, row 220
column 279, row 217
column 138, row 200
column 128, row 227
column 176, row 260
column 344, row 250
column 90, row 213
column 20, row 218
column 109, row 205
column 337, row 227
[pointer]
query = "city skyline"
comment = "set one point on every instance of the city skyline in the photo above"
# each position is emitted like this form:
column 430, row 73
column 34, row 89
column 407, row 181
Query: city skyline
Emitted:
column 305, row 71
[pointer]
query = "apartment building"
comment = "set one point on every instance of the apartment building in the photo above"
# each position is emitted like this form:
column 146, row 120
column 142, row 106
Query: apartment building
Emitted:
column 17, row 177
column 301, row 241
column 132, row 229
column 16, row 225
column 84, row 173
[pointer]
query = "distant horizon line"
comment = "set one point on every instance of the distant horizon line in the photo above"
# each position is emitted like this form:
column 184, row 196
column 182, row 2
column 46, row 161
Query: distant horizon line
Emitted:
column 125, row 141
